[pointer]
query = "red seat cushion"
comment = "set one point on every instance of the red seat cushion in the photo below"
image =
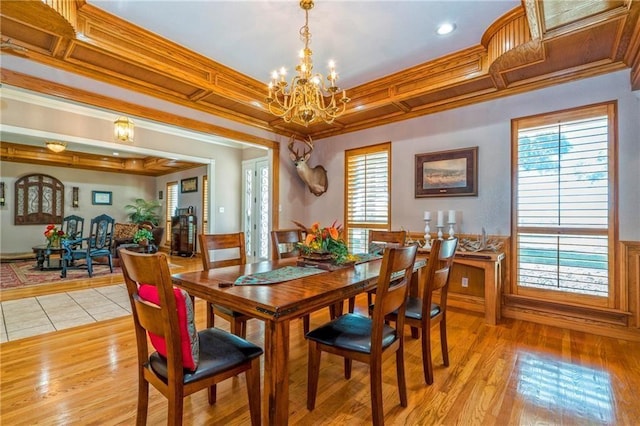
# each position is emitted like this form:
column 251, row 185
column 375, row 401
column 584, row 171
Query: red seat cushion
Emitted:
column 188, row 333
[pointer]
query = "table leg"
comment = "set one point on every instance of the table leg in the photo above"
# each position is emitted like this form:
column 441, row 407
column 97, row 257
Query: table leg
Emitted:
column 491, row 295
column 276, row 373
column 40, row 259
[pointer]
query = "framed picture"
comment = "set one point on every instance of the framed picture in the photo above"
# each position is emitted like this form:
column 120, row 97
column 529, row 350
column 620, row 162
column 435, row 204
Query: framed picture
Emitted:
column 189, row 185
column 101, row 198
column 447, row 173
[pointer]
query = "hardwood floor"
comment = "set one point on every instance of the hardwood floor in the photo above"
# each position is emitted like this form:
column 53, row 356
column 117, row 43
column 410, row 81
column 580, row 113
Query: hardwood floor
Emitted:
column 514, row 373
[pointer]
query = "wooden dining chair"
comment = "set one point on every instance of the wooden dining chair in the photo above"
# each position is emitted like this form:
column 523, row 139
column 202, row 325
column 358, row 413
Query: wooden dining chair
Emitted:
column 230, row 248
column 422, row 312
column 185, row 360
column 369, row 339
column 284, row 246
column 378, row 240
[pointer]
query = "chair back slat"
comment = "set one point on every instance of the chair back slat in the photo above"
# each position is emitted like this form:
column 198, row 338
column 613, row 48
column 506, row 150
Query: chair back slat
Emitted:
column 219, row 242
column 378, row 240
column 284, row 241
column 438, row 270
column 393, row 286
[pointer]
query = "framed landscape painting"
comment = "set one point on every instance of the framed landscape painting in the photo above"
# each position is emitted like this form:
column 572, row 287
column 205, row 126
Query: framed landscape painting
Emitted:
column 189, row 185
column 447, row 173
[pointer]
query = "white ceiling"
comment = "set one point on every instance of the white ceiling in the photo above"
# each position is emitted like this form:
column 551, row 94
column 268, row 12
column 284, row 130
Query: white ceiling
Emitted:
column 367, row 39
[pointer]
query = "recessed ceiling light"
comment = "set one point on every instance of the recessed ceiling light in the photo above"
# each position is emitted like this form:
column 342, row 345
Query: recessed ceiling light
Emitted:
column 116, row 153
column 445, row 28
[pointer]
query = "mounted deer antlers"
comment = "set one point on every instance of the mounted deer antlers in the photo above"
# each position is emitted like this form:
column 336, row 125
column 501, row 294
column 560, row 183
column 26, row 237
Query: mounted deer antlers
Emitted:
column 315, row 178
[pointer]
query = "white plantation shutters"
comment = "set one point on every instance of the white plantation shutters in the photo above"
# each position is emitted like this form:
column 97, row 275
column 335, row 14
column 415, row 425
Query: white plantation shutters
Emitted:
column 563, row 198
column 172, row 204
column 367, row 192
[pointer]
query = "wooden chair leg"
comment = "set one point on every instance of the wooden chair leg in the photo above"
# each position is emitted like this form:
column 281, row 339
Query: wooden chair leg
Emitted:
column 253, row 391
column 143, row 400
column 210, row 316
column 427, row 364
column 375, row 373
column 443, row 342
column 313, row 371
column 212, row 394
column 352, row 304
column 347, row 368
column 176, row 401
column 415, row 333
column 402, row 381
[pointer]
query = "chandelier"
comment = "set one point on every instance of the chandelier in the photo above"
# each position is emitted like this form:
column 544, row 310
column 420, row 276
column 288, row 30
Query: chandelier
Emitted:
column 308, row 99
column 123, row 129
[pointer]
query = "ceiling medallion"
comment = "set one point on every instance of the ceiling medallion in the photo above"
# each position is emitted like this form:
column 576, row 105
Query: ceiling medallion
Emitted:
column 308, row 99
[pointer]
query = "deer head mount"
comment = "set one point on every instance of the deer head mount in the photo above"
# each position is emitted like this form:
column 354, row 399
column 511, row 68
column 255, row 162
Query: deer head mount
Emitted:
column 315, row 178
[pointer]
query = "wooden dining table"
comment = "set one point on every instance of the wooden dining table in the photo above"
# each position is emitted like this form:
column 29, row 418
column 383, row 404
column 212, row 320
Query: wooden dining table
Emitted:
column 277, row 304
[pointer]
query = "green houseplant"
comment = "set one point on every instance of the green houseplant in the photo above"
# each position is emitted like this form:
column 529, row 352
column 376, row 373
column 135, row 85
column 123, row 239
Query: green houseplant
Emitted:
column 144, row 211
column 143, row 236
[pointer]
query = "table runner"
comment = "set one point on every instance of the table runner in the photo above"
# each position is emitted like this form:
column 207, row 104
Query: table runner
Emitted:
column 279, row 275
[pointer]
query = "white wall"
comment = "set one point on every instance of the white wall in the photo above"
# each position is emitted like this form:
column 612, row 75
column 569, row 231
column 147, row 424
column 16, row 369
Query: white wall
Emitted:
column 124, row 188
column 486, row 125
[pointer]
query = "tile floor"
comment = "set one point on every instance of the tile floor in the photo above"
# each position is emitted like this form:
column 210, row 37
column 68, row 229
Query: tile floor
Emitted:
column 36, row 315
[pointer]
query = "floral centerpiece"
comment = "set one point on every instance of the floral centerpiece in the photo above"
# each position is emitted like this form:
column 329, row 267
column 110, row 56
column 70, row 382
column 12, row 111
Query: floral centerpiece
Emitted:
column 53, row 235
column 325, row 243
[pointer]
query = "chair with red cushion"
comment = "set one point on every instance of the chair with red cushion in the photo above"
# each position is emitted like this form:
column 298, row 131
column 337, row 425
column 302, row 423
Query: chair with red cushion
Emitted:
column 230, row 250
column 185, row 360
column 369, row 339
column 422, row 312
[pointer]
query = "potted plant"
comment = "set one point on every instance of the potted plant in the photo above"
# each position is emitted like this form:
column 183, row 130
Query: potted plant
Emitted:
column 144, row 211
column 143, row 237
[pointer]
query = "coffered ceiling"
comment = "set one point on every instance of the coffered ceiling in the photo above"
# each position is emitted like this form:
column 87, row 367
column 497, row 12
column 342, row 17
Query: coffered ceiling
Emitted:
column 215, row 57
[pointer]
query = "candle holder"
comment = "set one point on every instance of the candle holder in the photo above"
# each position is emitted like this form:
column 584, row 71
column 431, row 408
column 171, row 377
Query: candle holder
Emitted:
column 427, row 233
column 440, row 228
column 451, row 230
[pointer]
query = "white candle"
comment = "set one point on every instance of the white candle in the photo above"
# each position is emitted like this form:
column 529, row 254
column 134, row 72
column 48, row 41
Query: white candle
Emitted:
column 427, row 215
column 452, row 216
column 440, row 217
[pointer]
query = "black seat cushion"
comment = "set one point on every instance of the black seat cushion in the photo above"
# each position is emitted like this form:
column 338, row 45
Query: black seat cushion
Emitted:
column 219, row 351
column 414, row 309
column 351, row 332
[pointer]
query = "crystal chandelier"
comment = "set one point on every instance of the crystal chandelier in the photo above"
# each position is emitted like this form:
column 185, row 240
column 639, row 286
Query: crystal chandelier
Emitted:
column 308, row 99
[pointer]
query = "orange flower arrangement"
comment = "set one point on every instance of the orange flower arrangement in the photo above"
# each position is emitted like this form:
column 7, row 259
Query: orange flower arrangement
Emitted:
column 54, row 235
column 325, row 240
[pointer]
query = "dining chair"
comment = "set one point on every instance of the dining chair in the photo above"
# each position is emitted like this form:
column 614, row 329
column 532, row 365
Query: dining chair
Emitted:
column 185, row 360
column 378, row 240
column 284, row 246
column 369, row 339
column 421, row 312
column 230, row 248
column 96, row 246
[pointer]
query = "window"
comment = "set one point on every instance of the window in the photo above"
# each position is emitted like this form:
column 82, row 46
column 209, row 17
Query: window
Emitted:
column 39, row 200
column 205, row 205
column 367, row 192
column 564, row 192
column 172, row 204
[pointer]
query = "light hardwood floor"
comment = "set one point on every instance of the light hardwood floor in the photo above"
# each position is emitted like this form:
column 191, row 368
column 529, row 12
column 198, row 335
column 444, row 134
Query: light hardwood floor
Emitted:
column 516, row 373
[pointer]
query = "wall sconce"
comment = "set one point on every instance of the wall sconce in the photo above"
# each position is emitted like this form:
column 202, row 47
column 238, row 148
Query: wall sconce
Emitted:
column 2, row 194
column 123, row 129
column 74, row 196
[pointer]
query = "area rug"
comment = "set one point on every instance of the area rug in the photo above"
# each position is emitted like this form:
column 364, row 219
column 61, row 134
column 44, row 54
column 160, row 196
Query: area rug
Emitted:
column 25, row 274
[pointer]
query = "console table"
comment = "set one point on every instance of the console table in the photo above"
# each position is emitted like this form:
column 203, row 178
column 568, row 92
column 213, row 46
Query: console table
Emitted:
column 492, row 264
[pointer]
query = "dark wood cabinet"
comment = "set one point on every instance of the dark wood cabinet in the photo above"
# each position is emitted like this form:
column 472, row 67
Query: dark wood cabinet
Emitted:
column 183, row 232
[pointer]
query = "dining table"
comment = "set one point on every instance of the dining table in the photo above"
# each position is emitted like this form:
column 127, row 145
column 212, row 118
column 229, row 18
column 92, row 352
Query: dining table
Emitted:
column 276, row 304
